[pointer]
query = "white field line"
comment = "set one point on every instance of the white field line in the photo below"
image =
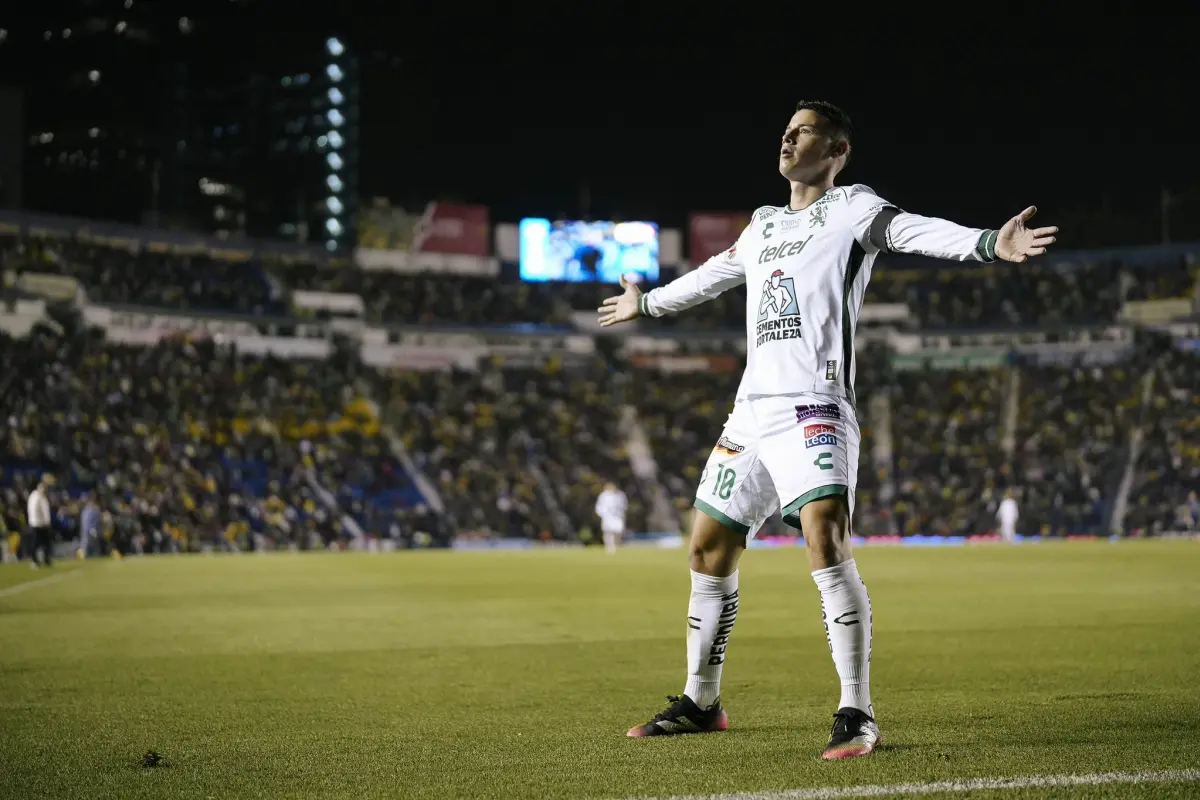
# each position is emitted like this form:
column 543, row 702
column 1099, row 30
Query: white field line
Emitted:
column 49, row 579
column 961, row 785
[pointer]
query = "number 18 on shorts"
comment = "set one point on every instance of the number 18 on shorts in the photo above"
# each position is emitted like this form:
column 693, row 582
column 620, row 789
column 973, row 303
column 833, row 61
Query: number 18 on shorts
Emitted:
column 809, row 454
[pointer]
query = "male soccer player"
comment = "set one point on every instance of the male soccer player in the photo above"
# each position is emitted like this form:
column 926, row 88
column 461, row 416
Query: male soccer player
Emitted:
column 610, row 508
column 793, row 437
column 1007, row 516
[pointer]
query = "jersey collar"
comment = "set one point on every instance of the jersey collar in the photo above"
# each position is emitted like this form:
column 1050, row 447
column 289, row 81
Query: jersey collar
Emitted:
column 789, row 210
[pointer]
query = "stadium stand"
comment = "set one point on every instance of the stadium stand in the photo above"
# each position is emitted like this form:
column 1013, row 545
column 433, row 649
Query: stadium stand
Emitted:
column 1168, row 469
column 113, row 273
column 516, row 449
column 186, row 444
column 433, row 299
column 1073, row 443
column 683, row 414
column 202, row 441
column 949, row 463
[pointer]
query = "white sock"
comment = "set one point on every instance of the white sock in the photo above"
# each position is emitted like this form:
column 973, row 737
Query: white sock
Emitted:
column 846, row 612
column 712, row 611
column 610, row 542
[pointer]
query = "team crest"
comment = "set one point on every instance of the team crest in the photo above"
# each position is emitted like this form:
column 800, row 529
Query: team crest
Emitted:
column 819, row 212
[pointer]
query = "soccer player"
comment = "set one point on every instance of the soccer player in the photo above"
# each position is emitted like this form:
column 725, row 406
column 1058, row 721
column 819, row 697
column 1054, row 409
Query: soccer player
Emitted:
column 1007, row 515
column 610, row 508
column 792, row 439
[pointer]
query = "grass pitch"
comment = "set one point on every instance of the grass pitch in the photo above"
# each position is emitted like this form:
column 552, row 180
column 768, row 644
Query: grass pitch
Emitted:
column 516, row 674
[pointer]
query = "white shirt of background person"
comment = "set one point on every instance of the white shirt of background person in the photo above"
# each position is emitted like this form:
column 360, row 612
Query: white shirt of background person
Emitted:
column 1007, row 515
column 610, row 508
column 39, row 508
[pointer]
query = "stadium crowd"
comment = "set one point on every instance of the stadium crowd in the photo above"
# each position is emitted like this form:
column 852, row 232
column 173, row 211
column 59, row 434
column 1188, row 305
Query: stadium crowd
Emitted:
column 1073, row 436
column 517, row 451
column 949, row 464
column 982, row 296
column 1165, row 486
column 118, row 274
column 187, row 444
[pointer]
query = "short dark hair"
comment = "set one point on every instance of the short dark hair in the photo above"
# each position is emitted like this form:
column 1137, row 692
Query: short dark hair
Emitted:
column 838, row 120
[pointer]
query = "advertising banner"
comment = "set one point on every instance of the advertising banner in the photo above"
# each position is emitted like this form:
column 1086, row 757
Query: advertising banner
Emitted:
column 62, row 288
column 1152, row 312
column 454, row 228
column 448, row 228
column 710, row 233
column 1084, row 353
column 884, row 313
column 669, row 363
column 333, row 302
column 146, row 326
column 424, row 358
column 957, row 358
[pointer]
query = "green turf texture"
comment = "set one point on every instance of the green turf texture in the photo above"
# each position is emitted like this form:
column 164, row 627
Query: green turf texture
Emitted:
column 516, row 674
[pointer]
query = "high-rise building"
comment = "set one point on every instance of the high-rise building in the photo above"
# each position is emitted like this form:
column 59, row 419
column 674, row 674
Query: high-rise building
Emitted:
column 206, row 121
column 89, row 73
column 274, row 153
column 12, row 148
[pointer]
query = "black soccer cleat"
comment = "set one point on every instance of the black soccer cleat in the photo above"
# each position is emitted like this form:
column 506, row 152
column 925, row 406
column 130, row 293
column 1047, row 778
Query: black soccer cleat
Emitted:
column 854, row 734
column 683, row 716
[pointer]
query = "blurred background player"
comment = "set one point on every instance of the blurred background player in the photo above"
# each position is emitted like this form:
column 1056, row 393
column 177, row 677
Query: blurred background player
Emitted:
column 610, row 508
column 89, row 528
column 38, row 519
column 1007, row 515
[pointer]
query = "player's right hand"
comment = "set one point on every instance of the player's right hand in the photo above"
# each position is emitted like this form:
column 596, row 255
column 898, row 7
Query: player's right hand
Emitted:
column 621, row 308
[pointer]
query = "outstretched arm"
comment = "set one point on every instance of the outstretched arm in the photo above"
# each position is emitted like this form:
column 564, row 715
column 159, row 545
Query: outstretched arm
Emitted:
column 910, row 233
column 881, row 227
column 709, row 280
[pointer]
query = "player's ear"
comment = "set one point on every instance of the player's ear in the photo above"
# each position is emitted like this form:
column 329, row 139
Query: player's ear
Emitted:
column 841, row 148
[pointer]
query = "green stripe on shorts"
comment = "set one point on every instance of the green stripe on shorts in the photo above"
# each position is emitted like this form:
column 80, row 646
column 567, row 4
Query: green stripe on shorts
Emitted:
column 820, row 493
column 722, row 518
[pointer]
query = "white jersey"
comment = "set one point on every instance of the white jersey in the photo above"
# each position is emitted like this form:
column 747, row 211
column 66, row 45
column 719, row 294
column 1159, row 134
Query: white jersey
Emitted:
column 611, row 505
column 806, row 273
column 1007, row 512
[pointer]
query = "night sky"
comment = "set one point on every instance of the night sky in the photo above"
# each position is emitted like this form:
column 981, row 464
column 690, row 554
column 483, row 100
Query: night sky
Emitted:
column 970, row 124
column 617, row 111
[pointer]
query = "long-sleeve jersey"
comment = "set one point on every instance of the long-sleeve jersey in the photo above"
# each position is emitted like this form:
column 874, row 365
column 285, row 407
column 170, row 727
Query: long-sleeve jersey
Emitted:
column 806, row 273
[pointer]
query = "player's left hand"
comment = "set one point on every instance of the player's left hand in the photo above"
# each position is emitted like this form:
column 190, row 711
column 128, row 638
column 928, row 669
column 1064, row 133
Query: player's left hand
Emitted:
column 621, row 308
column 1017, row 243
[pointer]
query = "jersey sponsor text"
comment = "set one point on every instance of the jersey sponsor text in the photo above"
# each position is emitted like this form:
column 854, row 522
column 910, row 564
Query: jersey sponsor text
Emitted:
column 820, row 439
column 826, row 411
column 729, row 447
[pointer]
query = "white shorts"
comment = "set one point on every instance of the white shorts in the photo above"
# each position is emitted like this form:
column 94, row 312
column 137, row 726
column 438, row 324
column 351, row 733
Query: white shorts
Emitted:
column 612, row 525
column 780, row 454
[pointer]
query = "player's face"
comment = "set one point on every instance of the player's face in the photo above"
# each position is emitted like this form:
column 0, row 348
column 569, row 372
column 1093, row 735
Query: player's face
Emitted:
column 808, row 146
